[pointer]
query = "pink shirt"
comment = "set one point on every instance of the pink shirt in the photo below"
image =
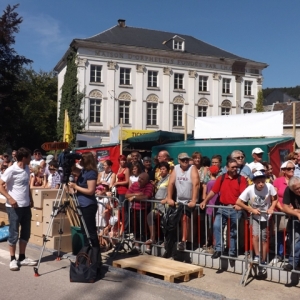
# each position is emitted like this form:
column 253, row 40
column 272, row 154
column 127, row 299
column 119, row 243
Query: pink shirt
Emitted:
column 280, row 184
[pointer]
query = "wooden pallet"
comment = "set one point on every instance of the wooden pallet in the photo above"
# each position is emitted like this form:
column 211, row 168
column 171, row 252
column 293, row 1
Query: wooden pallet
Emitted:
column 168, row 269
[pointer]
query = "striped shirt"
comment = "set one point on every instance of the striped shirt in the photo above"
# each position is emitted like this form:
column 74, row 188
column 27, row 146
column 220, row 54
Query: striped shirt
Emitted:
column 146, row 190
column 55, row 180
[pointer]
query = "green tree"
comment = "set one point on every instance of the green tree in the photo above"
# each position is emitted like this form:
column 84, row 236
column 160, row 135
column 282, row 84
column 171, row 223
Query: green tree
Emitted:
column 71, row 99
column 11, row 64
column 37, row 108
column 260, row 102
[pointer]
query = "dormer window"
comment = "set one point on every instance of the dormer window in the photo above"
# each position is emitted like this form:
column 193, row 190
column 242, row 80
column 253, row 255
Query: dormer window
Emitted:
column 178, row 43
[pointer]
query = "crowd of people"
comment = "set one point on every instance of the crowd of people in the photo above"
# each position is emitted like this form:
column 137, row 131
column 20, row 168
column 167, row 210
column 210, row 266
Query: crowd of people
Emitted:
column 232, row 187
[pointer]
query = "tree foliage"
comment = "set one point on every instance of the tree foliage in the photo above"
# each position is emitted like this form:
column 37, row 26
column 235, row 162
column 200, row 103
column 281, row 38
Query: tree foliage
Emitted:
column 71, row 99
column 260, row 102
column 11, row 64
column 291, row 91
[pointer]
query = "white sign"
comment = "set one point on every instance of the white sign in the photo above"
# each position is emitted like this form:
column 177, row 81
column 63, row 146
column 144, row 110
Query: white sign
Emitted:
column 241, row 125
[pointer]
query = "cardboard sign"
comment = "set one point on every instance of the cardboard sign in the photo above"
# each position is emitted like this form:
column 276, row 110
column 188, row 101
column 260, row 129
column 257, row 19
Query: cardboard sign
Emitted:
column 54, row 146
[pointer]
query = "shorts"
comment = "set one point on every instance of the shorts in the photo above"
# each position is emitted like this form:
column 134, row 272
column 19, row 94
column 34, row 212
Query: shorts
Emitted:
column 20, row 216
column 263, row 229
column 188, row 211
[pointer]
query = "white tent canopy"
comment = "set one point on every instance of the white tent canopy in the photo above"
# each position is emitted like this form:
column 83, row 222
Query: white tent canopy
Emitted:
column 241, row 125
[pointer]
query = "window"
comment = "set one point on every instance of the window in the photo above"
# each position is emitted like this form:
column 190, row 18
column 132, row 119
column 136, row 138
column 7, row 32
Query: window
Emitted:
column 95, row 73
column 152, row 78
column 178, row 45
column 125, row 76
column 226, row 86
column 203, row 83
column 202, row 111
column 248, row 88
column 151, row 113
column 177, row 115
column 178, row 81
column 95, row 110
column 225, row 108
column 248, row 106
column 124, row 111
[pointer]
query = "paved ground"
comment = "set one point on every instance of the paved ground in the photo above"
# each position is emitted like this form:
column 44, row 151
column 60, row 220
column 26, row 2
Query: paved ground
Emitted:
column 122, row 284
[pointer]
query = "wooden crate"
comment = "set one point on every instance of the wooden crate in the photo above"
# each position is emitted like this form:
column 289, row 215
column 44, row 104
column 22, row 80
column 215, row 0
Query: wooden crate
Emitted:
column 168, row 269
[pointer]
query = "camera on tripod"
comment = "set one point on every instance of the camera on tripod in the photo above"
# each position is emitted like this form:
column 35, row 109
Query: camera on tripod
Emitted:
column 69, row 161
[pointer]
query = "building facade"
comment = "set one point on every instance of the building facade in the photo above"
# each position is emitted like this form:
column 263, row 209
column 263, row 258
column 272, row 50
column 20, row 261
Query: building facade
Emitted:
column 150, row 79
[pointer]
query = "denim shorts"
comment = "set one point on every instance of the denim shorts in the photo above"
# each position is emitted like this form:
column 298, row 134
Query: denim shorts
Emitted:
column 20, row 216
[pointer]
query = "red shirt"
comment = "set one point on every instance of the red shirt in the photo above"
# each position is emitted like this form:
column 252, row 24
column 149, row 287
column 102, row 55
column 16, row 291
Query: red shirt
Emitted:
column 230, row 189
column 146, row 190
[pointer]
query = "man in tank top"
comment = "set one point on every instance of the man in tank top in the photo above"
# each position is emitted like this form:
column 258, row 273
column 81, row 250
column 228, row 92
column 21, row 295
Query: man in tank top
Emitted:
column 185, row 179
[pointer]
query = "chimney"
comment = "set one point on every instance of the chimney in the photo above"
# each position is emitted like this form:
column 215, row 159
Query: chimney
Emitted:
column 121, row 23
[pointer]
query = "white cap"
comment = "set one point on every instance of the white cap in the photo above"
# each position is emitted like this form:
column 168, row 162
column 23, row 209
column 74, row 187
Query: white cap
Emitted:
column 257, row 151
column 284, row 165
column 49, row 158
column 258, row 174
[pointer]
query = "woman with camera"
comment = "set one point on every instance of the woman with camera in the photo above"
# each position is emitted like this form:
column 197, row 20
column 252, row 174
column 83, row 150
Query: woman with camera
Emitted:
column 85, row 187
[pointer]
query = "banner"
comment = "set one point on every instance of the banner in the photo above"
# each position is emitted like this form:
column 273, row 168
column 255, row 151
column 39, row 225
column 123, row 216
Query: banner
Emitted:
column 126, row 134
column 266, row 124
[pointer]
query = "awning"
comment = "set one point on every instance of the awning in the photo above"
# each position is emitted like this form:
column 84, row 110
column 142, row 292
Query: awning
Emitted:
column 147, row 141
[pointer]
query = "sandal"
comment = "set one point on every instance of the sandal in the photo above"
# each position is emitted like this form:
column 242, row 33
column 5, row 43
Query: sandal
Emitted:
column 149, row 242
column 148, row 251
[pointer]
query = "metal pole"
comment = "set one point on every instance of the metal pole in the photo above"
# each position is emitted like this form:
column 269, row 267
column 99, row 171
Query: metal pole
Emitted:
column 121, row 136
column 294, row 124
column 185, row 126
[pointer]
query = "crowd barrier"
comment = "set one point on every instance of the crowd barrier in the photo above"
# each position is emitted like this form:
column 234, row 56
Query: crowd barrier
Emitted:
column 132, row 226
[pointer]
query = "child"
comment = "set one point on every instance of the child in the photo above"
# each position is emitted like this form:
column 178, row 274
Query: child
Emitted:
column 104, row 208
column 262, row 199
column 214, row 171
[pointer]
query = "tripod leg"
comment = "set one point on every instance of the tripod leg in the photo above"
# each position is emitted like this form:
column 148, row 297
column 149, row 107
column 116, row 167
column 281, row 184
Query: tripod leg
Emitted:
column 57, row 208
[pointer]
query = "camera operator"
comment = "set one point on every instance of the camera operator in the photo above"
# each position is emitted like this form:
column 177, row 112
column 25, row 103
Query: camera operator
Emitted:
column 85, row 187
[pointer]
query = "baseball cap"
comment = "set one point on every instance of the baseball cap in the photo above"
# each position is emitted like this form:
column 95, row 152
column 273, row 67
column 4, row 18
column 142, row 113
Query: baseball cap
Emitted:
column 257, row 151
column 5, row 154
column 214, row 169
column 147, row 158
column 183, row 155
column 49, row 158
column 259, row 174
column 284, row 165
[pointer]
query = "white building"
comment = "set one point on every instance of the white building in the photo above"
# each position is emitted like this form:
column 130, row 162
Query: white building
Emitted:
column 152, row 78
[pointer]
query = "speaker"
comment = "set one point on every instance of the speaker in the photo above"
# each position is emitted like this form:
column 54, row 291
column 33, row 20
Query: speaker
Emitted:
column 80, row 144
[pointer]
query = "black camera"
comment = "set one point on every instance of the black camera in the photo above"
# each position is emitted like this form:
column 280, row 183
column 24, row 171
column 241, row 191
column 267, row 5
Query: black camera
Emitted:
column 69, row 160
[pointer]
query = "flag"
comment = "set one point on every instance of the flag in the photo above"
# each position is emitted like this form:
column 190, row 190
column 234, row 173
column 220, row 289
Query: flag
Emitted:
column 68, row 135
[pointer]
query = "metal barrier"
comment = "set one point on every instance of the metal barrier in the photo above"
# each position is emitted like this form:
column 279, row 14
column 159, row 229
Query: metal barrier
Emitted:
column 235, row 232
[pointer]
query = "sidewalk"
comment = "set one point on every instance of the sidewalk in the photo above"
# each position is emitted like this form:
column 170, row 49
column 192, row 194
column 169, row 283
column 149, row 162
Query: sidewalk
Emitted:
column 123, row 284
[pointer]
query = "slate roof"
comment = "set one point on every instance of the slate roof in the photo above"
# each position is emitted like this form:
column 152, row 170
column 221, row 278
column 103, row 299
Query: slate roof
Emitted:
column 154, row 39
column 288, row 112
column 278, row 96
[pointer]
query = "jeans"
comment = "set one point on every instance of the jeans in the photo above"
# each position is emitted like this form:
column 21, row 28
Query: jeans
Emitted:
column 20, row 216
column 294, row 242
column 89, row 216
column 222, row 215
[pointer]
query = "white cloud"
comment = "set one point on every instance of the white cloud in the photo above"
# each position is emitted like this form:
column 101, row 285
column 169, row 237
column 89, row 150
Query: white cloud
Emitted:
column 46, row 33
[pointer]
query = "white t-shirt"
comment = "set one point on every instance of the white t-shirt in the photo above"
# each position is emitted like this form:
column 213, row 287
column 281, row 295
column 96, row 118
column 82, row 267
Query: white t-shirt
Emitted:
column 17, row 184
column 100, row 219
column 255, row 165
column 133, row 178
column 259, row 199
column 35, row 162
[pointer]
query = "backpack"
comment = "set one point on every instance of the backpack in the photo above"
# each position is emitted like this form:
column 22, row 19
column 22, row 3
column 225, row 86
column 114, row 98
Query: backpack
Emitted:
column 86, row 266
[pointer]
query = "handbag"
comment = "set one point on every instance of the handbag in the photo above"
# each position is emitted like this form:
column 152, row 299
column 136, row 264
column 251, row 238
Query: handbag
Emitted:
column 86, row 266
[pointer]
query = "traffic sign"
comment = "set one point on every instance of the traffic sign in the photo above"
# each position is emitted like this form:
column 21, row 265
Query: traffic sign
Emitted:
column 54, row 146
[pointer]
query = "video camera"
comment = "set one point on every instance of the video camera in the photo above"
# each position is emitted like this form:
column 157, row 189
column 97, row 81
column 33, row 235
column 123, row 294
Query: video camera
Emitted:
column 69, row 160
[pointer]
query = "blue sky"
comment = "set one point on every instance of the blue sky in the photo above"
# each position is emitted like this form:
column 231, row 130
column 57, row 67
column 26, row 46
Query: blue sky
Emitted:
column 261, row 30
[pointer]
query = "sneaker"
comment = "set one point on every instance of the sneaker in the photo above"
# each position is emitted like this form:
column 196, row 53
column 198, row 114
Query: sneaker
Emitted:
column 256, row 259
column 135, row 251
column 289, row 267
column 276, row 260
column 181, row 246
column 13, row 265
column 27, row 262
column 262, row 270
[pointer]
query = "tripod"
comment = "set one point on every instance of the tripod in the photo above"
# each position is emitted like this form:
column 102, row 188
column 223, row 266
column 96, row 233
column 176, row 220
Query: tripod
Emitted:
column 61, row 207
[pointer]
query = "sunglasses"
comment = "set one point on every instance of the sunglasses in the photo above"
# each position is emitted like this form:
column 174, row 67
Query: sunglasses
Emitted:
column 239, row 157
column 234, row 167
column 184, row 159
column 52, row 169
column 289, row 169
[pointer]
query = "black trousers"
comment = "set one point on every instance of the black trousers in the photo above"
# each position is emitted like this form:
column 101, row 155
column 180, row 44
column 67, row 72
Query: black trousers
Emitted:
column 89, row 216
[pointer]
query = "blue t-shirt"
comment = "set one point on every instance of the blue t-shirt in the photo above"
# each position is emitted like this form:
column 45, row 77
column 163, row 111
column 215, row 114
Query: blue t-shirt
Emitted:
column 83, row 199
